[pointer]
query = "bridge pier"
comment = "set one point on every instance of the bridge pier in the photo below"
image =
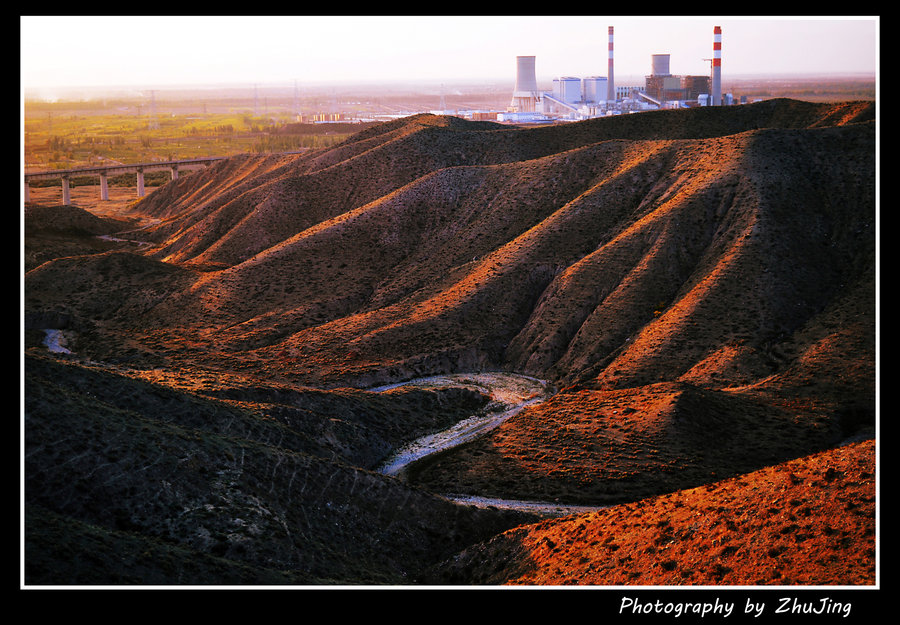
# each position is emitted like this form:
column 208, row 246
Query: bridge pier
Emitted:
column 27, row 191
column 104, row 187
column 140, row 183
column 174, row 172
column 67, row 196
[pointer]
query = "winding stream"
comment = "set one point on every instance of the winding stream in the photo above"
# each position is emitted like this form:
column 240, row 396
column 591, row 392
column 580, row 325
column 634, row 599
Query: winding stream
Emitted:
column 55, row 342
column 510, row 393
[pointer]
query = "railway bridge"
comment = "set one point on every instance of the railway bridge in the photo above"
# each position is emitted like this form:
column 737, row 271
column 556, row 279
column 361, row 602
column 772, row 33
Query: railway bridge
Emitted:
column 105, row 171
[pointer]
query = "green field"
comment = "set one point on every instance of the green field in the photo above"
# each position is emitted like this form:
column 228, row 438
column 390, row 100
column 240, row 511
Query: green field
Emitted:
column 67, row 135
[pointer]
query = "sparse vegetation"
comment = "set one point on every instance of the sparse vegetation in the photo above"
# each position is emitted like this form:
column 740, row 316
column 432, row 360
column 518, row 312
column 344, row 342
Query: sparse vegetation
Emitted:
column 58, row 137
column 698, row 284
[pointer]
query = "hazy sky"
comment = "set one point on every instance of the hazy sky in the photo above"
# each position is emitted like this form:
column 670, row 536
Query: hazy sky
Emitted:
column 144, row 51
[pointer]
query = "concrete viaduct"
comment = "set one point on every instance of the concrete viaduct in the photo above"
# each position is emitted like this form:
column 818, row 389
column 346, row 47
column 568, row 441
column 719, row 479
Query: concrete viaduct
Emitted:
column 105, row 171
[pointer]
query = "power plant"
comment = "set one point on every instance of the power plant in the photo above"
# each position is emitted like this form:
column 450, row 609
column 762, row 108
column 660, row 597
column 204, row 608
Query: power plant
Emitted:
column 594, row 96
column 572, row 98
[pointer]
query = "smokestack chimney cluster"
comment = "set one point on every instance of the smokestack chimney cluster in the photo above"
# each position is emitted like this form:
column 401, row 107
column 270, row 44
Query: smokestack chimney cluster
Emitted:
column 526, row 94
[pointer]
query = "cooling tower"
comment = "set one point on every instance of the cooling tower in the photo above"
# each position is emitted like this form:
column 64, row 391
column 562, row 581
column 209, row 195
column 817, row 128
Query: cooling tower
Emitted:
column 661, row 65
column 611, row 83
column 525, row 95
column 716, row 87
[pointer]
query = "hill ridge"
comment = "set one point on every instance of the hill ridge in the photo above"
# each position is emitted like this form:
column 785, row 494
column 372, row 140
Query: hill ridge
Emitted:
column 527, row 229
column 697, row 288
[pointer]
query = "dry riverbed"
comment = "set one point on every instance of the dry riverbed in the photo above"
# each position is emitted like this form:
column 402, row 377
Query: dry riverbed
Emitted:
column 509, row 393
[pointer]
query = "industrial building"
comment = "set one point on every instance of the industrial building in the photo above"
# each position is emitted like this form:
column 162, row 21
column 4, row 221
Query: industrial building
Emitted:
column 662, row 86
column 594, row 96
column 572, row 98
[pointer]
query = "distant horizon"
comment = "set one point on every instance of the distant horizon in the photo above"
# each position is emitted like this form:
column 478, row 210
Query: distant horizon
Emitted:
column 126, row 90
column 159, row 52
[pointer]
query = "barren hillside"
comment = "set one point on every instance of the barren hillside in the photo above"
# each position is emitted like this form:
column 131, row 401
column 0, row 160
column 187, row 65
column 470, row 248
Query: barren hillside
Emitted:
column 699, row 285
column 807, row 522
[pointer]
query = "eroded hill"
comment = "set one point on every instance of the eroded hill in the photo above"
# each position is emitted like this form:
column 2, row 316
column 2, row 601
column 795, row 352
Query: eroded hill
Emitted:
column 809, row 522
column 700, row 284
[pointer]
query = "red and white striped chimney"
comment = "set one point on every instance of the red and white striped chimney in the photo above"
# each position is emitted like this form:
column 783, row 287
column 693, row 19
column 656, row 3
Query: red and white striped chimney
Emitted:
column 717, row 66
column 610, row 82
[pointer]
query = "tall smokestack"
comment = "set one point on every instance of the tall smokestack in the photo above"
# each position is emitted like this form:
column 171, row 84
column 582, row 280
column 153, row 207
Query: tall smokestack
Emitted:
column 610, row 81
column 525, row 95
column 717, row 66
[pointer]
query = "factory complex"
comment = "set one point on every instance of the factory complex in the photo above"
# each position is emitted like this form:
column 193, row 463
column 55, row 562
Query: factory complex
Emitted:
column 573, row 98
